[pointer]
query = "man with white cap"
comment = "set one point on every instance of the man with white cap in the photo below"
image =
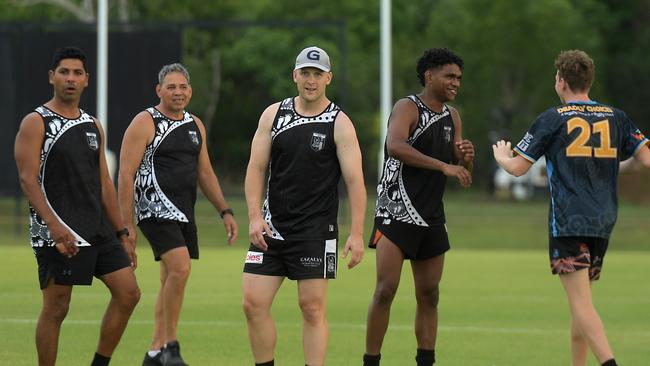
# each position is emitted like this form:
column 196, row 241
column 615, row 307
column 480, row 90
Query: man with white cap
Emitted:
column 307, row 143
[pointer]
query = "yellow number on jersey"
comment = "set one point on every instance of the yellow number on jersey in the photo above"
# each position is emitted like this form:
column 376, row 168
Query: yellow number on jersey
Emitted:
column 579, row 147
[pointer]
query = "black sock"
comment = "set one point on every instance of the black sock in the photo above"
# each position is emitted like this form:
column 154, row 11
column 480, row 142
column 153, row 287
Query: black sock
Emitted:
column 425, row 357
column 611, row 362
column 267, row 363
column 100, row 360
column 371, row 360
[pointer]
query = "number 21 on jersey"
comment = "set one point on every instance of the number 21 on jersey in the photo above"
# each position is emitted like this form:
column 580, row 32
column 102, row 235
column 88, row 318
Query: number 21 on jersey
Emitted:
column 580, row 148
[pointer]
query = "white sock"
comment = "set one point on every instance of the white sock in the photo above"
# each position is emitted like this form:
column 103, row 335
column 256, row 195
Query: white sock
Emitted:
column 153, row 353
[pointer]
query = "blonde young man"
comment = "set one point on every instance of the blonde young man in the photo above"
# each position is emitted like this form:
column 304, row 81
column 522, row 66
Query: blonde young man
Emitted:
column 163, row 156
column 583, row 142
column 307, row 143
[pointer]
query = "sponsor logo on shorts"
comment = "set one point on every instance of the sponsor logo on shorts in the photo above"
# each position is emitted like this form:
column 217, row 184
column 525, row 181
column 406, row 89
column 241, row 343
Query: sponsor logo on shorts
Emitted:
column 93, row 142
column 66, row 272
column 311, row 261
column 254, row 257
column 331, row 263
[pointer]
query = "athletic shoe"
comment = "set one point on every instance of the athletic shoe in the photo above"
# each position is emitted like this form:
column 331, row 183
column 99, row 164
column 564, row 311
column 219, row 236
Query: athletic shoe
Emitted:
column 152, row 361
column 171, row 355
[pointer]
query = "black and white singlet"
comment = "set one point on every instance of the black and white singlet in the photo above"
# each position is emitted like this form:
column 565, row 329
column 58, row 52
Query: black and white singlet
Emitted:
column 414, row 195
column 70, row 178
column 302, row 197
column 165, row 183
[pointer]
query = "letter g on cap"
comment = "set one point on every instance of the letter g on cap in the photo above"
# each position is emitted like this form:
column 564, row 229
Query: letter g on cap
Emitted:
column 313, row 55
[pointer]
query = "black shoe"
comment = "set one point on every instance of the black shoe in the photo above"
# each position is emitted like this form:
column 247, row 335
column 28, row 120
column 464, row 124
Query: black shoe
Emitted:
column 152, row 361
column 171, row 355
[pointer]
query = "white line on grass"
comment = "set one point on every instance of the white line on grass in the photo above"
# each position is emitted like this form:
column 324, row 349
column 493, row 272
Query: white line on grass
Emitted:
column 395, row 327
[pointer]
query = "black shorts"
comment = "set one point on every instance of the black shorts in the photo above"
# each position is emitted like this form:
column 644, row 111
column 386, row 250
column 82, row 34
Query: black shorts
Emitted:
column 296, row 260
column 164, row 235
column 572, row 253
column 96, row 260
column 416, row 242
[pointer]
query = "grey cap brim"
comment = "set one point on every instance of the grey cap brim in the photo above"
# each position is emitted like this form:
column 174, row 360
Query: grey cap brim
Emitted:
column 312, row 64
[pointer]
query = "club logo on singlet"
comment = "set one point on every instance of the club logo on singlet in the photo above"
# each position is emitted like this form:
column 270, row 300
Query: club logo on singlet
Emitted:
column 91, row 139
column 447, row 133
column 317, row 141
column 193, row 137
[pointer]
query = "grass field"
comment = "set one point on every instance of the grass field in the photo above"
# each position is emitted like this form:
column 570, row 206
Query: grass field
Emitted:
column 499, row 304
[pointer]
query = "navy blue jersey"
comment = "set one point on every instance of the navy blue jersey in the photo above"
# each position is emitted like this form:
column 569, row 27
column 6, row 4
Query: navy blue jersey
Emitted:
column 165, row 183
column 302, row 197
column 414, row 195
column 583, row 143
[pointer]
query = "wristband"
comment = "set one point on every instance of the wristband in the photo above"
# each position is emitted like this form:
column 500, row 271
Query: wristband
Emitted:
column 122, row 232
column 226, row 212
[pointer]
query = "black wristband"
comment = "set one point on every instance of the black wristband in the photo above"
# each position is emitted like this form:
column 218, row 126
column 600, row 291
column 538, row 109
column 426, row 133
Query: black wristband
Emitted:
column 122, row 232
column 225, row 212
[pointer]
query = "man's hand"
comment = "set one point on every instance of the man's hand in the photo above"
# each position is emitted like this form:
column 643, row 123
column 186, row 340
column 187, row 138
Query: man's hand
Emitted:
column 128, row 242
column 354, row 244
column 231, row 228
column 502, row 151
column 64, row 240
column 256, row 230
column 463, row 175
column 466, row 148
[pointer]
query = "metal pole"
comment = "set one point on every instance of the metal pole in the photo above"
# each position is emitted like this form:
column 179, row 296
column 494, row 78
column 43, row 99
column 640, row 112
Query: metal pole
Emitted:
column 102, row 64
column 385, row 78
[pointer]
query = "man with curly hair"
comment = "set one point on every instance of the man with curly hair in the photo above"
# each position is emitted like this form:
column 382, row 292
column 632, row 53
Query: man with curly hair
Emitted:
column 424, row 146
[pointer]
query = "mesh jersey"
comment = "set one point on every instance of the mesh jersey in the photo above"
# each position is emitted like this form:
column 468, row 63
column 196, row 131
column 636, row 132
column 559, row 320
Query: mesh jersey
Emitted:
column 165, row 183
column 583, row 143
column 70, row 179
column 302, row 197
column 414, row 195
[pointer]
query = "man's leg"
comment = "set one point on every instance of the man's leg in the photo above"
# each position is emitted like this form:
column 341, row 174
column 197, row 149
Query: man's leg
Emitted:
column 177, row 270
column 56, row 302
column 159, row 323
column 389, row 261
column 427, row 274
column 578, row 290
column 579, row 346
column 125, row 295
column 258, row 294
column 312, row 297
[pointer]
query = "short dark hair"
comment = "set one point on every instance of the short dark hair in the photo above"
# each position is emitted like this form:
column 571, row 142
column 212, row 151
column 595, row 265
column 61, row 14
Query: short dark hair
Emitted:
column 577, row 69
column 434, row 58
column 68, row 52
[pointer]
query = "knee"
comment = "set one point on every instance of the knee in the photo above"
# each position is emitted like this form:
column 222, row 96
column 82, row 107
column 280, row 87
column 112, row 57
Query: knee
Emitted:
column 312, row 311
column 429, row 296
column 384, row 294
column 253, row 308
column 179, row 273
column 57, row 310
column 129, row 299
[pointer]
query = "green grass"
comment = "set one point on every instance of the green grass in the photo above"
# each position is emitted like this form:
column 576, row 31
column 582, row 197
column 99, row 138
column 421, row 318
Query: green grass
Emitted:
column 498, row 307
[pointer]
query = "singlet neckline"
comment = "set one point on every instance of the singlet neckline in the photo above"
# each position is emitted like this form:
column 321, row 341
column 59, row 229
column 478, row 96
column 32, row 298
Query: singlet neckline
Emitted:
column 81, row 113
column 293, row 106
column 444, row 106
column 169, row 118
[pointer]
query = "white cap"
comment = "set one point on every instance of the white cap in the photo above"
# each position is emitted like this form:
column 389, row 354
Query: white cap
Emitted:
column 313, row 57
